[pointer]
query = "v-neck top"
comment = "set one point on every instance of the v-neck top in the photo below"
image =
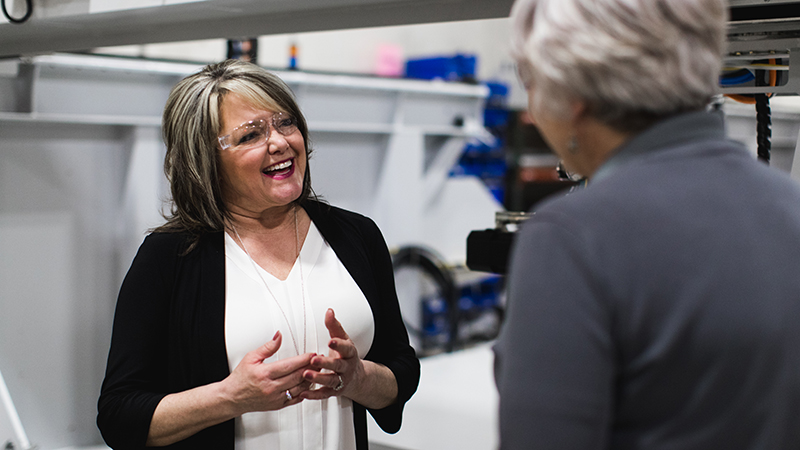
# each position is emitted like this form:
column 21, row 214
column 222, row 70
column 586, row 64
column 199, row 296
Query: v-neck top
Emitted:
column 258, row 304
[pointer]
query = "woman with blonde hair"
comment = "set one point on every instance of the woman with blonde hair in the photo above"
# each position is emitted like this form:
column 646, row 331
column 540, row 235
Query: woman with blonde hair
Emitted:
column 256, row 317
column 656, row 308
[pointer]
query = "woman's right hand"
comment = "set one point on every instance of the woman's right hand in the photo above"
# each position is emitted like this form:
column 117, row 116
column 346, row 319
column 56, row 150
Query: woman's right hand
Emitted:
column 256, row 386
column 252, row 386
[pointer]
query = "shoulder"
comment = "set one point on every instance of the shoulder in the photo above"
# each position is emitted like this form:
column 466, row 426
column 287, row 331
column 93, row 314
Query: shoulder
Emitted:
column 581, row 206
column 331, row 218
column 167, row 245
column 355, row 238
column 165, row 255
column 326, row 211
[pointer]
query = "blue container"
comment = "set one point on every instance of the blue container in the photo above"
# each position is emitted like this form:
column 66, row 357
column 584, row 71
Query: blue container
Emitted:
column 455, row 68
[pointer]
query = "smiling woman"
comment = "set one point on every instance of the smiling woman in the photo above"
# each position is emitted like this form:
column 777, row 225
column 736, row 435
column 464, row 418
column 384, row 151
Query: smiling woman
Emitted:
column 260, row 169
column 245, row 261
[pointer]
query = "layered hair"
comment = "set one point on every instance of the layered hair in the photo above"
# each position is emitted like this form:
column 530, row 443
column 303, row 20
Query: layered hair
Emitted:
column 632, row 62
column 190, row 127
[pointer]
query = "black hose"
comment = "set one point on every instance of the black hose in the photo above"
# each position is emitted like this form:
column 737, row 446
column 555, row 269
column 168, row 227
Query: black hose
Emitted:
column 763, row 120
column 432, row 265
column 28, row 12
column 763, row 130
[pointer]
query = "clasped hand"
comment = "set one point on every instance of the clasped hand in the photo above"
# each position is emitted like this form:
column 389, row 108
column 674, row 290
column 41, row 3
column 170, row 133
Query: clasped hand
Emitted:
column 255, row 386
column 339, row 373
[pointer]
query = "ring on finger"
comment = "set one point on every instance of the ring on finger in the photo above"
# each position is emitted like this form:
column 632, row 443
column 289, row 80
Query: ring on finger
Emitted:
column 288, row 396
column 340, row 385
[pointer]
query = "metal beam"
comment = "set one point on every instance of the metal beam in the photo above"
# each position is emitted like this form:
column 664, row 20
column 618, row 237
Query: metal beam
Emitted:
column 210, row 19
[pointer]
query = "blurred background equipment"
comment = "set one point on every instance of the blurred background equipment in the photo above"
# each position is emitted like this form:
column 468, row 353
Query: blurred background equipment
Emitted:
column 245, row 50
column 488, row 250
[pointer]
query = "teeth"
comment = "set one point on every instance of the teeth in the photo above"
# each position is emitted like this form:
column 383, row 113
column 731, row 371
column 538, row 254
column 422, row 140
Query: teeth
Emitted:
column 281, row 166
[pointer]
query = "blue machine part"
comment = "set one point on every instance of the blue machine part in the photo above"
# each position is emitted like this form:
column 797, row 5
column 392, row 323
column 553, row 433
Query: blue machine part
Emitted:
column 475, row 301
column 488, row 161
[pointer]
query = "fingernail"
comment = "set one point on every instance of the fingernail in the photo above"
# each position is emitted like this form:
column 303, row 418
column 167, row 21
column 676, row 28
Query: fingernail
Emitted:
column 332, row 344
column 308, row 375
column 277, row 333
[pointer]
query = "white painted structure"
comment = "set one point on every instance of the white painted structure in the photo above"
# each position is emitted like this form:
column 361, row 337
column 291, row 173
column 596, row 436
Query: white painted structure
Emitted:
column 81, row 181
column 71, row 25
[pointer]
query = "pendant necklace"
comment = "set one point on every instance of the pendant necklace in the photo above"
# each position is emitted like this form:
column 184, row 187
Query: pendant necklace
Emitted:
column 302, row 283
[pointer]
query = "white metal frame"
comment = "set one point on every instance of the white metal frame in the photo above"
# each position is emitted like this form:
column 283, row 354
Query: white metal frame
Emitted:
column 11, row 431
column 70, row 25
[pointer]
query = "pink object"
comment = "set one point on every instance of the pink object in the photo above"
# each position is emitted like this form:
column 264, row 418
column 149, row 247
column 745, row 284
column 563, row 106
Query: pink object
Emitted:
column 390, row 61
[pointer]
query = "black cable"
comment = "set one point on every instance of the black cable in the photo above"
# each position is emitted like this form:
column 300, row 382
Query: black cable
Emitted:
column 28, row 12
column 432, row 265
column 763, row 120
column 764, row 132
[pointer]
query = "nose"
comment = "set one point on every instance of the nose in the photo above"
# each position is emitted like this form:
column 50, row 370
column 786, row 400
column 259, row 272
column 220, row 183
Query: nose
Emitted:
column 276, row 142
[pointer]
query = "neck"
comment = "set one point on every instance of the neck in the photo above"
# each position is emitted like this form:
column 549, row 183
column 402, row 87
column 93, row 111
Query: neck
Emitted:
column 277, row 219
column 274, row 246
column 598, row 142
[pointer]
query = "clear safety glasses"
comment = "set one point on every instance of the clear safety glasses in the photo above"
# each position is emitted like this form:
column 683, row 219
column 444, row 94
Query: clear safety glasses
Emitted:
column 256, row 132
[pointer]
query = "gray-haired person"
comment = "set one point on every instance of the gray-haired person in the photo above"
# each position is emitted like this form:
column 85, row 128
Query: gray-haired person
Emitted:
column 659, row 307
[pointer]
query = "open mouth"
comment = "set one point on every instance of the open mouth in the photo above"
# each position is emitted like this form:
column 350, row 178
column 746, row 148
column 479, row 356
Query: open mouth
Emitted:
column 280, row 169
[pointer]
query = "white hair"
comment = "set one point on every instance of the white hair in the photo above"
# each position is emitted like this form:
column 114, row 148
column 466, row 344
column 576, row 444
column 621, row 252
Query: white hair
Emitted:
column 630, row 61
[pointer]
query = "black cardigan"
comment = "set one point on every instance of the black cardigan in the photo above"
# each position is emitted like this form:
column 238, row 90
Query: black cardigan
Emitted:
column 169, row 334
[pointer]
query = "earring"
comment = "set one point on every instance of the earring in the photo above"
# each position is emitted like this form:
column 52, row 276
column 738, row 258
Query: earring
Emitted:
column 572, row 145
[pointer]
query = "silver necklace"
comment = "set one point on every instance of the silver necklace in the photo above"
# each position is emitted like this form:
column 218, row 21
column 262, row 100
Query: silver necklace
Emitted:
column 302, row 283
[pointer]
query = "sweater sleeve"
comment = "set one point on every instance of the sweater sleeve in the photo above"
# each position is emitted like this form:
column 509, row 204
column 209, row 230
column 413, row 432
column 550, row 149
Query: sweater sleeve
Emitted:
column 392, row 347
column 554, row 359
column 135, row 380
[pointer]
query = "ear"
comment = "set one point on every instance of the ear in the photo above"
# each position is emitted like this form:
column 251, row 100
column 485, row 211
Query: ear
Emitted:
column 578, row 111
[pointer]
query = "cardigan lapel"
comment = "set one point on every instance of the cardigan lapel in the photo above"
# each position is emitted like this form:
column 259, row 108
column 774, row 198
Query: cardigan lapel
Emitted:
column 209, row 329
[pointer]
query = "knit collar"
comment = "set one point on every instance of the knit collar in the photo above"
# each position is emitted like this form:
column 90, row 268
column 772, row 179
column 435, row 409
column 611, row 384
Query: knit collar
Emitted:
column 669, row 133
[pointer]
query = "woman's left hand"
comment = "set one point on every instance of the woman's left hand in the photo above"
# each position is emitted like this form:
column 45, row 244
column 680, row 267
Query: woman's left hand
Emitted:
column 370, row 384
column 343, row 364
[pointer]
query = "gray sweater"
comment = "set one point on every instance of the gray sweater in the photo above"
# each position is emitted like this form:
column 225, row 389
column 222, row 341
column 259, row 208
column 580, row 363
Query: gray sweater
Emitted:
column 659, row 308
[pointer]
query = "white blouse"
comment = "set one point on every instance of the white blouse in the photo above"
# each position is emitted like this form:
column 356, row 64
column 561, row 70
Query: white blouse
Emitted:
column 252, row 317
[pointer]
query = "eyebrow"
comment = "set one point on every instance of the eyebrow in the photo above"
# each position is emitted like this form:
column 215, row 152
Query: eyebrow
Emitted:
column 262, row 118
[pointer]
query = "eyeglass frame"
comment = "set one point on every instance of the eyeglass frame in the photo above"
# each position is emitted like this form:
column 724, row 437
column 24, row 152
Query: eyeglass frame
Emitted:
column 273, row 120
